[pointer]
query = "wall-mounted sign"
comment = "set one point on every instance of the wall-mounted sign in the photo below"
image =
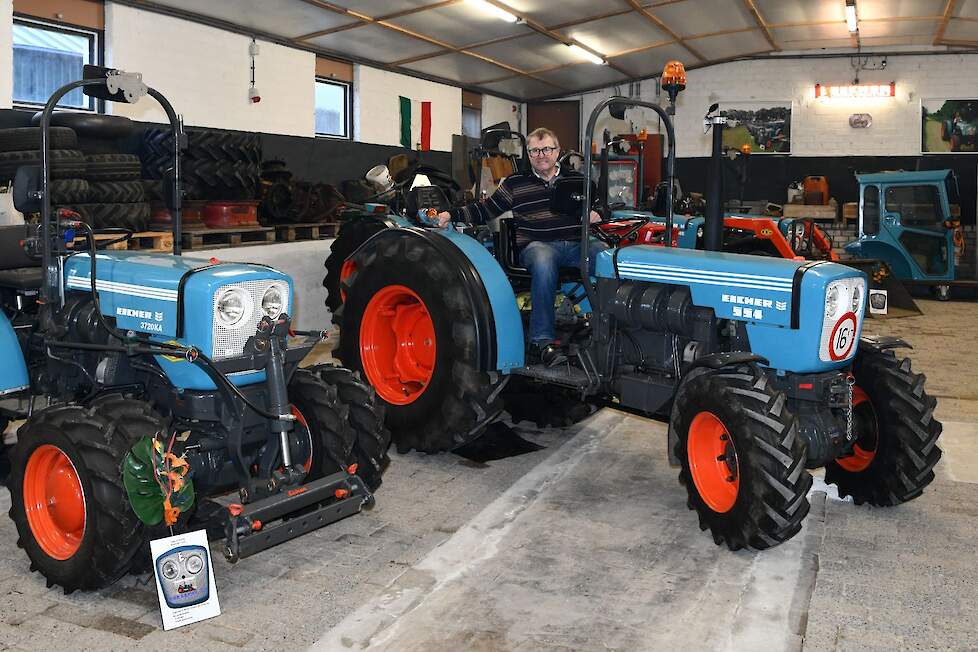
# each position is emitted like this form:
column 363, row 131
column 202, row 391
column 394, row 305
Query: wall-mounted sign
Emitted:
column 855, row 91
column 860, row 120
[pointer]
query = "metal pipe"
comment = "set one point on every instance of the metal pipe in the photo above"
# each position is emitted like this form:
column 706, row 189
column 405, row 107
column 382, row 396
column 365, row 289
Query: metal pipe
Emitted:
column 713, row 231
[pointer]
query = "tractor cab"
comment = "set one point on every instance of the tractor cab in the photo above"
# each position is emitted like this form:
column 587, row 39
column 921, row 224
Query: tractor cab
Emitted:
column 905, row 221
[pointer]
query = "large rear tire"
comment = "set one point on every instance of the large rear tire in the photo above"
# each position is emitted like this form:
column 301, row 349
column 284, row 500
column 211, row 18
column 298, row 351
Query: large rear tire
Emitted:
column 351, row 235
column 68, row 500
column 895, row 430
column 366, row 417
column 742, row 459
column 408, row 327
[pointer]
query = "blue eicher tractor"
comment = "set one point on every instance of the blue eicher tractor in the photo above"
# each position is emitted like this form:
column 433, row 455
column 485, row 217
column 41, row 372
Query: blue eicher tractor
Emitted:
column 759, row 362
column 150, row 381
column 905, row 221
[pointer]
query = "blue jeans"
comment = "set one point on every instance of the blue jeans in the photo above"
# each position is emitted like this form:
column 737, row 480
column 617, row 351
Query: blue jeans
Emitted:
column 544, row 260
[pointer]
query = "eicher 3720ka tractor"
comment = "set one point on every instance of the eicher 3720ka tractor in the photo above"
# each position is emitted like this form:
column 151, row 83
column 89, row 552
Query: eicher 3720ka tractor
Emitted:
column 149, row 381
column 759, row 362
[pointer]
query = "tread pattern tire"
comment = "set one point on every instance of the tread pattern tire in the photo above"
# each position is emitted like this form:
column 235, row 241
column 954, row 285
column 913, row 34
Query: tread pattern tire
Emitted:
column 69, row 191
column 459, row 401
column 95, row 439
column 219, row 165
column 65, row 163
column 326, row 415
column 366, row 417
column 772, row 501
column 349, row 238
column 116, row 192
column 134, row 217
column 908, row 432
column 29, row 138
column 112, row 167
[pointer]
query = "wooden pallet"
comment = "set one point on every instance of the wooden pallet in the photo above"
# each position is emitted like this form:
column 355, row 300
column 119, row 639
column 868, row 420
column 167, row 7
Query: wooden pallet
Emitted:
column 305, row 231
column 220, row 238
column 141, row 241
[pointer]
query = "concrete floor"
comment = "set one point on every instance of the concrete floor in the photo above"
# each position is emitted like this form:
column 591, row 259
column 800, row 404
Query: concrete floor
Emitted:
column 586, row 544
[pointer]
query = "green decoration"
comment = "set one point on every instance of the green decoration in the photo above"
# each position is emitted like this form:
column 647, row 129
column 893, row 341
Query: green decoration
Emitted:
column 150, row 478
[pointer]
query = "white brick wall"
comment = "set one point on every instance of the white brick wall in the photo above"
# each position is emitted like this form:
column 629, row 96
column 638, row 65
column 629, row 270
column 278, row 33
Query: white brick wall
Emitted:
column 819, row 127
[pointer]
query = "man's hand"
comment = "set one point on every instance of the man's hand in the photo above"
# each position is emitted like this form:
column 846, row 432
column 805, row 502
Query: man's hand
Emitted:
column 443, row 218
column 595, row 217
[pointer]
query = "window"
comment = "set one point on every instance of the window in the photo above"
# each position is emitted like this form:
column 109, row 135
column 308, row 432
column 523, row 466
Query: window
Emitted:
column 871, row 210
column 48, row 56
column 471, row 122
column 917, row 205
column 333, row 108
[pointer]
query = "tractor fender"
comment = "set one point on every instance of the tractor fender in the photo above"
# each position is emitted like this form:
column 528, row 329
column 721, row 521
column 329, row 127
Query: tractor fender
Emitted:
column 499, row 329
column 13, row 374
column 894, row 258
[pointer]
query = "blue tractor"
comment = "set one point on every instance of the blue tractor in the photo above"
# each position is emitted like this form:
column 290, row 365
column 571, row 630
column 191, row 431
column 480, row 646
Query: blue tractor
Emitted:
column 758, row 362
column 905, row 221
column 150, row 382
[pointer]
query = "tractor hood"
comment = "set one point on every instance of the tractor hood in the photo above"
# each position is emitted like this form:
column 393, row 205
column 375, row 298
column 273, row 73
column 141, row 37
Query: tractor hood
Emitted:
column 153, row 293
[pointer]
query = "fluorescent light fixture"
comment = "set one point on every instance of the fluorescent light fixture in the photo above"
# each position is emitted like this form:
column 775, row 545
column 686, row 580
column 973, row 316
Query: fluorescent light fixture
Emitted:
column 856, row 91
column 586, row 55
column 851, row 16
column 490, row 8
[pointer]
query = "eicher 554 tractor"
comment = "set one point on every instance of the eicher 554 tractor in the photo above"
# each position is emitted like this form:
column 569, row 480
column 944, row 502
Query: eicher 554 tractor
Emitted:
column 759, row 362
column 149, row 381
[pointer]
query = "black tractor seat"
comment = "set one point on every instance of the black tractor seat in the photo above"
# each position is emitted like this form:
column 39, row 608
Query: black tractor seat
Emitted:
column 22, row 279
column 509, row 258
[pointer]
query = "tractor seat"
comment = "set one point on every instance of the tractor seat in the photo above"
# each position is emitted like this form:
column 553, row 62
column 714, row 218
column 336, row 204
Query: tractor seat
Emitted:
column 509, row 257
column 22, row 279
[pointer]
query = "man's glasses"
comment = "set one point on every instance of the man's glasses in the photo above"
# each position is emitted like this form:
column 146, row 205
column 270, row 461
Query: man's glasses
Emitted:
column 542, row 151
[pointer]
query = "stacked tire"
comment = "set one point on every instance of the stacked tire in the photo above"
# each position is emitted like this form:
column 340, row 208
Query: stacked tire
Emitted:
column 116, row 198
column 21, row 146
column 217, row 165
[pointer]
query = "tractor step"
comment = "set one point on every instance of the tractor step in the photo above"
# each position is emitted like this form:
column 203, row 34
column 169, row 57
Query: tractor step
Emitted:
column 299, row 510
column 563, row 374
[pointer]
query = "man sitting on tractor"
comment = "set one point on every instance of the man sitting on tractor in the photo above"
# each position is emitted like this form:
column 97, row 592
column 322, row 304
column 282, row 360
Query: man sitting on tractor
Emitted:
column 547, row 240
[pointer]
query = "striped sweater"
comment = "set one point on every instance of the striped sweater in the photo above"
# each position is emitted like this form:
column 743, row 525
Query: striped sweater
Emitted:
column 528, row 196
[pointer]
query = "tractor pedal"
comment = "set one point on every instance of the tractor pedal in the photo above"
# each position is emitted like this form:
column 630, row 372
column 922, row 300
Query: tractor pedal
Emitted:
column 265, row 523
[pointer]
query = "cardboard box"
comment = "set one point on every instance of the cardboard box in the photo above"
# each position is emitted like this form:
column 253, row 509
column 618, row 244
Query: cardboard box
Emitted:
column 850, row 211
column 829, row 212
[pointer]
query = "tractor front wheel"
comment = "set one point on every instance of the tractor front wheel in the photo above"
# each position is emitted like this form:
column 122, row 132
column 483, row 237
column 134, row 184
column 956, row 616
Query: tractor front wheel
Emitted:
column 742, row 459
column 68, row 500
column 895, row 433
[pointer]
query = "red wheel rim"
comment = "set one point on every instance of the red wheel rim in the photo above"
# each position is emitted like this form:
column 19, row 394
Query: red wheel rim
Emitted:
column 397, row 344
column 348, row 268
column 866, row 428
column 301, row 420
column 713, row 462
column 54, row 502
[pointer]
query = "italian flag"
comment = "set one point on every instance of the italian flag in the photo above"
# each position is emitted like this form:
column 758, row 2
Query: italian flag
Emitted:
column 415, row 124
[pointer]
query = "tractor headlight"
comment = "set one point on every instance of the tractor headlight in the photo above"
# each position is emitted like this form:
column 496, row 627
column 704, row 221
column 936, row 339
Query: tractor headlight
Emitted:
column 273, row 301
column 857, row 297
column 836, row 300
column 233, row 307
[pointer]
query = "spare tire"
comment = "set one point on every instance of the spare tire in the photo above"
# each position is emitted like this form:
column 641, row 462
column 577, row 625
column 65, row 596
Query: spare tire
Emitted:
column 127, row 216
column 65, row 163
column 26, row 138
column 69, row 191
column 112, row 167
column 90, row 125
column 113, row 192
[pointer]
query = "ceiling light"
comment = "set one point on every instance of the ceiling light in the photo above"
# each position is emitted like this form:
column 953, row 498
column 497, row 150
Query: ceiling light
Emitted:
column 851, row 16
column 587, row 55
column 492, row 9
column 856, row 91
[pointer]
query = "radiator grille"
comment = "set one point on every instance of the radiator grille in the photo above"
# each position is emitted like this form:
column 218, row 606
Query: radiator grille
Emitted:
column 230, row 342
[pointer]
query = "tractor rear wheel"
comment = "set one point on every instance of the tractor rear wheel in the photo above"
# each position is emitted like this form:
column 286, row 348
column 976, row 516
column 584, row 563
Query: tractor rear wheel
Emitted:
column 896, row 433
column 407, row 325
column 366, row 417
column 68, row 500
column 351, row 235
column 742, row 459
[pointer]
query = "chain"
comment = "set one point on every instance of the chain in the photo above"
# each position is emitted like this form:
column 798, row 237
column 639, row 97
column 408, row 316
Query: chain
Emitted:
column 850, row 381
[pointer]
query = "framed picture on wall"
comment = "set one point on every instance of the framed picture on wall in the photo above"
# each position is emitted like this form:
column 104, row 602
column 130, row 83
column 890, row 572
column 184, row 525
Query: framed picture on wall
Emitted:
column 764, row 126
column 948, row 126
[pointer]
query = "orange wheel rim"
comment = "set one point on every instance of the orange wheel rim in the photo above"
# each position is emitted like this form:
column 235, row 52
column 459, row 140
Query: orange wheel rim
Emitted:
column 397, row 344
column 54, row 502
column 713, row 462
column 866, row 429
column 301, row 420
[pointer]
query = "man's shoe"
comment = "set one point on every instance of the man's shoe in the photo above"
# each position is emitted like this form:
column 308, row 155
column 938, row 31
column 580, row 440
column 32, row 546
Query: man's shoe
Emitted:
column 553, row 355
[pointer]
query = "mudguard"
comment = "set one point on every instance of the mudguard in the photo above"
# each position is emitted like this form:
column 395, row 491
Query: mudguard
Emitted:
column 13, row 373
column 880, row 250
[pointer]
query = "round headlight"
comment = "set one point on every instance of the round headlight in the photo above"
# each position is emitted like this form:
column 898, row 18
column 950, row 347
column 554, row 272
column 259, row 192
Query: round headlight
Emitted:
column 832, row 301
column 233, row 307
column 857, row 298
column 273, row 301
